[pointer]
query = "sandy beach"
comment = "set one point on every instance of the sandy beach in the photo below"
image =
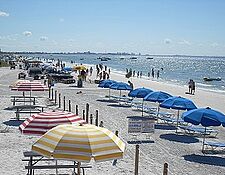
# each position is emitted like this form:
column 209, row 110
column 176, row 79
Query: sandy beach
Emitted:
column 181, row 152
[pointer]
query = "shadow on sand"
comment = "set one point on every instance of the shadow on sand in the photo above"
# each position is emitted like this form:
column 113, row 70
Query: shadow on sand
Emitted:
column 209, row 160
column 106, row 100
column 118, row 105
column 164, row 127
column 179, row 138
column 13, row 122
column 139, row 141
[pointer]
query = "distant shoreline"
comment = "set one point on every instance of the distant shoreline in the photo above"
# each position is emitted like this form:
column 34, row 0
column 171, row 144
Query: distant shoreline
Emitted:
column 115, row 53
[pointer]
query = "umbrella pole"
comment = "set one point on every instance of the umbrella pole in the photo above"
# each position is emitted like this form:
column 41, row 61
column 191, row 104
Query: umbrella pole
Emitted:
column 109, row 93
column 142, row 111
column 30, row 103
column 56, row 170
column 203, row 142
column 120, row 95
column 158, row 113
column 178, row 112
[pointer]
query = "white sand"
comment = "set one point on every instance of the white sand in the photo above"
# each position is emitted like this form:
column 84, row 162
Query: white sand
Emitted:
column 152, row 155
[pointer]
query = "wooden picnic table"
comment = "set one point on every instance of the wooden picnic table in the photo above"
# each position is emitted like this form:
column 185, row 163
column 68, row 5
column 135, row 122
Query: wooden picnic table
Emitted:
column 28, row 109
column 23, row 99
column 33, row 158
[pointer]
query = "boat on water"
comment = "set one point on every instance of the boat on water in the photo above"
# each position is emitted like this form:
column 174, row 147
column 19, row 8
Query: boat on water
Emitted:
column 149, row 58
column 212, row 79
column 133, row 58
column 104, row 58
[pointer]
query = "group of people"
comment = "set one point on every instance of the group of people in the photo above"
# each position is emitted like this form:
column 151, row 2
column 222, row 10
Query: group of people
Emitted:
column 153, row 73
column 103, row 72
column 191, row 87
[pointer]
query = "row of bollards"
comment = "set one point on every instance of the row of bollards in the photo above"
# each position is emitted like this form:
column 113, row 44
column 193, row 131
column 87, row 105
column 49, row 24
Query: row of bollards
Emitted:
column 53, row 95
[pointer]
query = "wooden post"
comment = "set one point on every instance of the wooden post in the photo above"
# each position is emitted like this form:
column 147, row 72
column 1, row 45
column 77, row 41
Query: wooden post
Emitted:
column 52, row 94
column 165, row 169
column 76, row 109
column 69, row 106
column 55, row 96
column 87, row 112
column 83, row 114
column 78, row 168
column 96, row 118
column 64, row 103
column 49, row 93
column 59, row 100
column 136, row 160
column 91, row 119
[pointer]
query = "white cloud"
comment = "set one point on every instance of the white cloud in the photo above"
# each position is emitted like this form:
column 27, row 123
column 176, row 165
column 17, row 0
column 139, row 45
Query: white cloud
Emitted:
column 43, row 38
column 61, row 20
column 27, row 33
column 184, row 42
column 4, row 14
column 167, row 41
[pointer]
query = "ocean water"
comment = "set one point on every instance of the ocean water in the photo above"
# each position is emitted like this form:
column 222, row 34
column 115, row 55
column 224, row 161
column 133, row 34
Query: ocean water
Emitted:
column 176, row 69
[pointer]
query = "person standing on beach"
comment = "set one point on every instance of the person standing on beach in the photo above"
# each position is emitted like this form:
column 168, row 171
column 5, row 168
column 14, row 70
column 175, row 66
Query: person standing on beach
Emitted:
column 133, row 73
column 153, row 73
column 140, row 74
column 109, row 71
column 190, row 86
column 193, row 88
column 91, row 70
column 157, row 74
column 131, row 84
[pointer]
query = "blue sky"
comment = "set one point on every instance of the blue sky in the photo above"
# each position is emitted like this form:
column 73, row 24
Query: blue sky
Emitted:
column 192, row 27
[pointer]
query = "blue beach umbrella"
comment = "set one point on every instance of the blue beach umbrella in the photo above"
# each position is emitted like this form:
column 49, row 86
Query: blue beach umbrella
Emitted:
column 157, row 96
column 67, row 69
column 140, row 93
column 179, row 103
column 120, row 86
column 106, row 84
column 204, row 116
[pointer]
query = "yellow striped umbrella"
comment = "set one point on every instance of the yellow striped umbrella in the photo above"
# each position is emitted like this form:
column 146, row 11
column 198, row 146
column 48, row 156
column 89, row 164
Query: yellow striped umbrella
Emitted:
column 80, row 143
column 80, row 67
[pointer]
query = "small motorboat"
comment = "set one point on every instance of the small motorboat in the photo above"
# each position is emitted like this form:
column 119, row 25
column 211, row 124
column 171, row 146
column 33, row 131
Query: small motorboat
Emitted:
column 133, row 58
column 105, row 58
column 212, row 79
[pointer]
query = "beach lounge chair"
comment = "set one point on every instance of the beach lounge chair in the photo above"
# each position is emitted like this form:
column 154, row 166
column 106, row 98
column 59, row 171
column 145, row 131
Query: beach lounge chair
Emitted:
column 121, row 99
column 214, row 145
column 171, row 120
column 138, row 106
column 199, row 130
